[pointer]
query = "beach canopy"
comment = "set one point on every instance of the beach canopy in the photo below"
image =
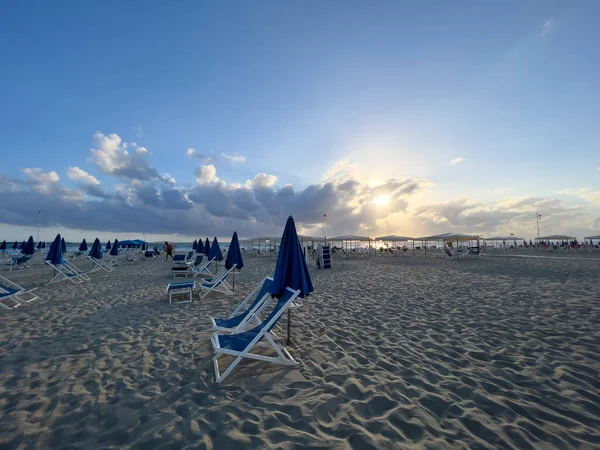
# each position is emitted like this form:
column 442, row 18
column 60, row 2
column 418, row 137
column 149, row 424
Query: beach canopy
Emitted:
column 587, row 237
column 291, row 269
column 348, row 237
column 114, row 251
column 15, row 245
column 504, row 238
column 55, row 254
column 393, row 237
column 83, row 246
column 29, row 247
column 234, row 254
column 207, row 247
column 3, row 245
column 555, row 237
column 448, row 237
column 215, row 251
column 96, row 251
column 108, row 245
column 134, row 243
column 22, row 246
column 63, row 245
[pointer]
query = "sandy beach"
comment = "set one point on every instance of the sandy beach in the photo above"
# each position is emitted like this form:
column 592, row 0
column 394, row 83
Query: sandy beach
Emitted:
column 401, row 352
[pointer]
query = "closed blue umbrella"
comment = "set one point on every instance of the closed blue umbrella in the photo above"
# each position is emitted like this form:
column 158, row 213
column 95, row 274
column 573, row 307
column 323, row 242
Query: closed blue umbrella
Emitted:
column 291, row 269
column 114, row 251
column 39, row 245
column 83, row 246
column 234, row 256
column 22, row 246
column 44, row 244
column 216, row 253
column 15, row 245
column 96, row 251
column 3, row 245
column 108, row 245
column 29, row 247
column 206, row 247
column 55, row 254
column 63, row 245
column 195, row 245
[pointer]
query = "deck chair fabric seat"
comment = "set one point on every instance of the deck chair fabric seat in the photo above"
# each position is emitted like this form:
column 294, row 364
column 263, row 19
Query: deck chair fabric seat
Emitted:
column 240, row 345
column 217, row 283
column 237, row 321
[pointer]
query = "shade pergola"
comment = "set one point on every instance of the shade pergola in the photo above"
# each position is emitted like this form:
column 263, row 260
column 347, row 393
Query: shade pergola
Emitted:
column 269, row 243
column 447, row 237
column 592, row 238
column 394, row 239
column 351, row 238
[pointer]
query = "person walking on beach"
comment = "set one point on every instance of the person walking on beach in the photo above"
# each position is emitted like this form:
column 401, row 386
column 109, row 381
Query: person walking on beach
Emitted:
column 169, row 251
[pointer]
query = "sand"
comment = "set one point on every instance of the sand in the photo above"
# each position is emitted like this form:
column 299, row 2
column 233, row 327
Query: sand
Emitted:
column 395, row 353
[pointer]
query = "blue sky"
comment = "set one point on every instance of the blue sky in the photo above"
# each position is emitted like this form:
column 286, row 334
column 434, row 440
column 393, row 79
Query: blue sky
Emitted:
column 383, row 90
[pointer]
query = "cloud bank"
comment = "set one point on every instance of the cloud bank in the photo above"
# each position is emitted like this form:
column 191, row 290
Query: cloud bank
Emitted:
column 132, row 196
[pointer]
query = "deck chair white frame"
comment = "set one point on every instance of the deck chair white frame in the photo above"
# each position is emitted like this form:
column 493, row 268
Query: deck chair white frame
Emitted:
column 253, row 316
column 191, row 269
column 181, row 288
column 283, row 356
column 113, row 261
column 20, row 262
column 67, row 271
column 99, row 265
column 19, row 297
column 204, row 268
column 216, row 284
column 131, row 256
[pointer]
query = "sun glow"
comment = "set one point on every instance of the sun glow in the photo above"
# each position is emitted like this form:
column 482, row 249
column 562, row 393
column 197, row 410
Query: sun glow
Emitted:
column 382, row 200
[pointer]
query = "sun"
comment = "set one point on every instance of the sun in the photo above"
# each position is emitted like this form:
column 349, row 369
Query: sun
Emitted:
column 382, row 200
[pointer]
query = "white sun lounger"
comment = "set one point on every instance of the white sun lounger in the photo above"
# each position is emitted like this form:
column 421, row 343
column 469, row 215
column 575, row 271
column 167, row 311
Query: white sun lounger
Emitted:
column 217, row 284
column 12, row 292
column 248, row 311
column 67, row 271
column 100, row 265
column 241, row 345
column 181, row 270
column 181, row 288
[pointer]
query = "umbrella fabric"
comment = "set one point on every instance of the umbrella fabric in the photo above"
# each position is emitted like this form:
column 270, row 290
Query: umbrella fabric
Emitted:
column 195, row 245
column 44, row 244
column 108, row 245
column 215, row 251
column 3, row 245
column 83, row 246
column 234, row 254
column 291, row 269
column 22, row 246
column 207, row 247
column 96, row 251
column 114, row 251
column 15, row 245
column 29, row 247
column 55, row 254
column 39, row 245
column 63, row 245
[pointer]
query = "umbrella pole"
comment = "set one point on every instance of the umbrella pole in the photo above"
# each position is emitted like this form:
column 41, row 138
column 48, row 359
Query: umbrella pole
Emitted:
column 233, row 280
column 289, row 327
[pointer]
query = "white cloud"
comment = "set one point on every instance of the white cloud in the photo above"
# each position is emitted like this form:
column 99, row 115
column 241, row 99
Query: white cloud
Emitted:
column 586, row 193
column 499, row 191
column 547, row 27
column 206, row 174
column 192, row 153
column 168, row 178
column 234, row 159
column 261, row 180
column 81, row 176
column 113, row 158
column 456, row 160
column 36, row 174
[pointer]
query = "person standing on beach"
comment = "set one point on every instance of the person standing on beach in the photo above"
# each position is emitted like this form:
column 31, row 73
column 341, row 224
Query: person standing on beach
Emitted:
column 169, row 251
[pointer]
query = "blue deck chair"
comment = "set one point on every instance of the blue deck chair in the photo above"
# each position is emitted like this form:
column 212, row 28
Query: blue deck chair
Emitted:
column 218, row 283
column 11, row 292
column 20, row 262
column 240, row 345
column 183, row 270
column 247, row 311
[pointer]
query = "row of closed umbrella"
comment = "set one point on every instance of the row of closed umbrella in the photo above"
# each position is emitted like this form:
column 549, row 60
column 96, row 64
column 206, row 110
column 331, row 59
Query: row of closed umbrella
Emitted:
column 27, row 247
